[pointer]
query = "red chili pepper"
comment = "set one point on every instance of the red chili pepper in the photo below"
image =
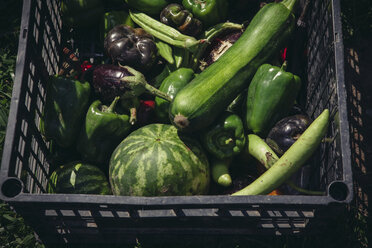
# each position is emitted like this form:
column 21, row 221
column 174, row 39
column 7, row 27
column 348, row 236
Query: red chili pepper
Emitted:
column 146, row 112
column 148, row 103
column 283, row 54
column 85, row 66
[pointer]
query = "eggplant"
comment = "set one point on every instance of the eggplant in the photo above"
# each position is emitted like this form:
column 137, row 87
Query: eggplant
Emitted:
column 219, row 46
column 175, row 15
column 129, row 46
column 107, row 81
column 286, row 131
column 110, row 81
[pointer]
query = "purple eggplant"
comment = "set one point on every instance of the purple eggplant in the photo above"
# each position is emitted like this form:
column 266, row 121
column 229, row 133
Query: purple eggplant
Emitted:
column 286, row 131
column 110, row 81
column 219, row 46
column 175, row 15
column 131, row 46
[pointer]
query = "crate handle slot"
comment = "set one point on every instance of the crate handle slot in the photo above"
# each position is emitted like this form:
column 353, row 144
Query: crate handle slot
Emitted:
column 338, row 190
column 11, row 187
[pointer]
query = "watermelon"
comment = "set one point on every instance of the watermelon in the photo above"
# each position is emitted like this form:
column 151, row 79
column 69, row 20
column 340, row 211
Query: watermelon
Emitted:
column 155, row 160
column 78, row 178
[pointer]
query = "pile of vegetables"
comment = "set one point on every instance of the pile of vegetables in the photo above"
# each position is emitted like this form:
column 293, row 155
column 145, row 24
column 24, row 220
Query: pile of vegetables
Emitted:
column 189, row 100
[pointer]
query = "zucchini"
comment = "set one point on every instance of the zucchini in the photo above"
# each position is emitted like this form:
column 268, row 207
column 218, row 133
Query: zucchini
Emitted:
column 292, row 159
column 198, row 104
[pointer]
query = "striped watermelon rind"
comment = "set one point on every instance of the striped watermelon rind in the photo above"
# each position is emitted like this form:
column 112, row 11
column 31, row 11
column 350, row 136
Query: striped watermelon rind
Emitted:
column 78, row 178
column 157, row 161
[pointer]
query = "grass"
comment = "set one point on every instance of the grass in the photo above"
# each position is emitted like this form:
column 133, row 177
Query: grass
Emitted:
column 8, row 51
column 349, row 230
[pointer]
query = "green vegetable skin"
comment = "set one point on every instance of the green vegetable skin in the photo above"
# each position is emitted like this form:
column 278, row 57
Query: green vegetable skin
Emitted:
column 291, row 160
column 67, row 101
column 150, row 7
column 171, row 85
column 267, row 157
column 78, row 178
column 210, row 12
column 209, row 36
column 156, row 160
column 270, row 97
column 104, row 129
column 198, row 104
column 225, row 138
column 82, row 14
column 165, row 51
column 164, row 32
column 220, row 171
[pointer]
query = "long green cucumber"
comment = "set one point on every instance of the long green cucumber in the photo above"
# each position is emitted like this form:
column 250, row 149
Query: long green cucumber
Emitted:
column 261, row 151
column 198, row 104
column 291, row 160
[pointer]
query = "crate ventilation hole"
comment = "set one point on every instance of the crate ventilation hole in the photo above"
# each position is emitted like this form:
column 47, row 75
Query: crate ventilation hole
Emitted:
column 338, row 190
column 11, row 187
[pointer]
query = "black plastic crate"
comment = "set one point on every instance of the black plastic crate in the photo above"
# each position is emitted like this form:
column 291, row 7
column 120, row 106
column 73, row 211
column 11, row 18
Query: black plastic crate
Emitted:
column 73, row 219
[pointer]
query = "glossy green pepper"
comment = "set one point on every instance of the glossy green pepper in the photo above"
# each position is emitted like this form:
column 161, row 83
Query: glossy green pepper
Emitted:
column 150, row 7
column 225, row 138
column 236, row 106
column 271, row 95
column 103, row 130
column 67, row 101
column 210, row 12
column 171, row 85
column 82, row 14
column 220, row 171
column 114, row 18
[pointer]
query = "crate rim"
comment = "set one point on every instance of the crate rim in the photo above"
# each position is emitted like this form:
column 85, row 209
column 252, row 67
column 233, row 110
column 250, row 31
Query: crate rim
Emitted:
column 17, row 88
column 207, row 199
column 342, row 97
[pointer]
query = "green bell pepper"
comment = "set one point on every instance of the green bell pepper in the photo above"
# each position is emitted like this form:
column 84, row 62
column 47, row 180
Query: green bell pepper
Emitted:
column 103, row 130
column 220, row 171
column 66, row 103
column 82, row 14
column 171, row 85
column 210, row 12
column 150, row 7
column 271, row 95
column 114, row 18
column 225, row 138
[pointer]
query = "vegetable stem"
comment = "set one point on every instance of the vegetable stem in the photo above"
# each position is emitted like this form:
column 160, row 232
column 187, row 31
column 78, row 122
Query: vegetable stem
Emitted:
column 284, row 65
column 110, row 109
column 290, row 4
column 156, row 92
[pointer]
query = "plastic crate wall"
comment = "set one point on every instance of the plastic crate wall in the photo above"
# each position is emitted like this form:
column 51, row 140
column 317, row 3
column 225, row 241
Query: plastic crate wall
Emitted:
column 324, row 68
column 38, row 57
column 112, row 219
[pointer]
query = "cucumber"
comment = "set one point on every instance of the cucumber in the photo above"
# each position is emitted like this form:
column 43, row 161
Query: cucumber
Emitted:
column 291, row 160
column 198, row 104
column 261, row 151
